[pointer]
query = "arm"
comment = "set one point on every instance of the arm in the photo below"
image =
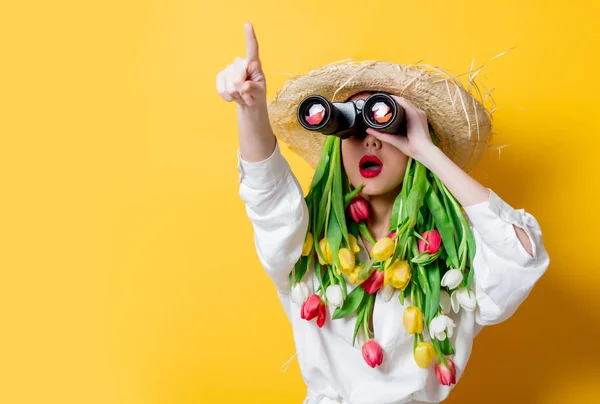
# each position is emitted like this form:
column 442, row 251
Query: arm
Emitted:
column 274, row 199
column 505, row 272
column 276, row 207
column 464, row 188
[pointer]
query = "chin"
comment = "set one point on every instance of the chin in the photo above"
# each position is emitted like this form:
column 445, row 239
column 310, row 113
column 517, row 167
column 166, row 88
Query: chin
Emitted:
column 376, row 186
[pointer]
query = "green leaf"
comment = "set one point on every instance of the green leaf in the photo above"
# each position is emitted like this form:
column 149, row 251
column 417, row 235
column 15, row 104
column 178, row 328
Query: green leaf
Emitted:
column 396, row 212
column 469, row 234
column 443, row 225
column 323, row 161
column 364, row 231
column 446, row 347
column 300, row 268
column 324, row 205
column 334, row 236
column 353, row 300
column 433, row 275
column 337, row 195
column 349, row 196
column 359, row 320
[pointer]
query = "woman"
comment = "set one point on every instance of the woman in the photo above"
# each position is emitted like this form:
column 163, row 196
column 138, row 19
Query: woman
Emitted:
column 320, row 262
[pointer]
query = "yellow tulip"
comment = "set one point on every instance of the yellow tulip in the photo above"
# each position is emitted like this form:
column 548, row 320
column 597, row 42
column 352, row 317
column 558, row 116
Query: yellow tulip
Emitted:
column 413, row 320
column 383, row 249
column 346, row 260
column 325, row 251
column 398, row 275
column 424, row 354
column 354, row 247
column 352, row 277
column 307, row 247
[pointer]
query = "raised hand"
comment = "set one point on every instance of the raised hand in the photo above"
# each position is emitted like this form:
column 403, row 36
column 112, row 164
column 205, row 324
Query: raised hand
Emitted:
column 243, row 81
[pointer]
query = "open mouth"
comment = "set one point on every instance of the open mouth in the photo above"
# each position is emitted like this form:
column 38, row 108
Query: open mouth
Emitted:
column 370, row 166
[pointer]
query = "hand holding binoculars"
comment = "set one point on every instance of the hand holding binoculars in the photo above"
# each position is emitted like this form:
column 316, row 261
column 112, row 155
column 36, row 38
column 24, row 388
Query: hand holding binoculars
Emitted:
column 344, row 119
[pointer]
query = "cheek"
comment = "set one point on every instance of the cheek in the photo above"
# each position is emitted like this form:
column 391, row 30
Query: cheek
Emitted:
column 396, row 164
column 347, row 155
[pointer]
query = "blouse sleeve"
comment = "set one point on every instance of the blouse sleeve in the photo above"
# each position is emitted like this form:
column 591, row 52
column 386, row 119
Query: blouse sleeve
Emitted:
column 278, row 212
column 505, row 273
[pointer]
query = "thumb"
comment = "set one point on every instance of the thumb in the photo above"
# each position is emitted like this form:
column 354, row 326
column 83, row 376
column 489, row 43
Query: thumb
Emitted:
column 253, row 88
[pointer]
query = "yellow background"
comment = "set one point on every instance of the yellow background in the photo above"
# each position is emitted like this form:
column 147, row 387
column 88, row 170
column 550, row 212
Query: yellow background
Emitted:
column 128, row 273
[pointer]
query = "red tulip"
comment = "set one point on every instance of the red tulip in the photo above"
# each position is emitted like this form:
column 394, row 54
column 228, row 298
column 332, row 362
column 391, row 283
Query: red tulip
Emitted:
column 392, row 234
column 314, row 307
column 359, row 208
column 434, row 239
column 373, row 282
column 372, row 353
column 446, row 376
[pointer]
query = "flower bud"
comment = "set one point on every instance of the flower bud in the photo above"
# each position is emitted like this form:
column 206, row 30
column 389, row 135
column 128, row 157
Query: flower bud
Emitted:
column 434, row 239
column 461, row 298
column 441, row 327
column 346, row 260
column 413, row 320
column 300, row 292
column 352, row 276
column 334, row 295
column 314, row 307
column 372, row 353
column 354, row 247
column 424, row 354
column 452, row 279
column 325, row 251
column 398, row 274
column 373, row 282
column 444, row 375
column 307, row 246
column 383, row 249
column 358, row 208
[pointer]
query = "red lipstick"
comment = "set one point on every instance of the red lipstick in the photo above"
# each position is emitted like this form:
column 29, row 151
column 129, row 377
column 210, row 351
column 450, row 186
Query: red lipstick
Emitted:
column 370, row 166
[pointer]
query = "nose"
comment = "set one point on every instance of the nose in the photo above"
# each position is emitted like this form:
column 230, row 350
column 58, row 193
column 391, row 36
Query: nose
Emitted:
column 371, row 142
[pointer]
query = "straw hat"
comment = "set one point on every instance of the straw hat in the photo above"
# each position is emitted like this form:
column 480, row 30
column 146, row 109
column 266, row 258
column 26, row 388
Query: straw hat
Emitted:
column 461, row 124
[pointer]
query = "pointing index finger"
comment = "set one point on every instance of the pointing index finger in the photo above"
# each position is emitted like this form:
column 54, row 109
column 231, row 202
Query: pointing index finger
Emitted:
column 251, row 42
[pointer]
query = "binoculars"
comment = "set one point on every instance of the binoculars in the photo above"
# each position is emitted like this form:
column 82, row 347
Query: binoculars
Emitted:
column 344, row 119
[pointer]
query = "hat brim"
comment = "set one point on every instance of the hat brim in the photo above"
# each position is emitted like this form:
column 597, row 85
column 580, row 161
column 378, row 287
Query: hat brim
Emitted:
column 461, row 124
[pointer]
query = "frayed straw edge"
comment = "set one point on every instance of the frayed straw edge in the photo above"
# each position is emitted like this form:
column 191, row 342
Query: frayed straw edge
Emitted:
column 286, row 365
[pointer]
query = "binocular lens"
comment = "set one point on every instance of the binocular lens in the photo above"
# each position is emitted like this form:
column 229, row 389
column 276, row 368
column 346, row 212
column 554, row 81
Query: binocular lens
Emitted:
column 381, row 112
column 316, row 114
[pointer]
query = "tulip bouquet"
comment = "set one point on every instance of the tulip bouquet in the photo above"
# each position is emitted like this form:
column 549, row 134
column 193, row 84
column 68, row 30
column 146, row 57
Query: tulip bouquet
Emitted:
column 427, row 255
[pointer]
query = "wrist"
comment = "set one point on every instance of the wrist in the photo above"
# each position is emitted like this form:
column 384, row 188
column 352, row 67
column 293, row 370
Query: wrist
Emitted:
column 428, row 154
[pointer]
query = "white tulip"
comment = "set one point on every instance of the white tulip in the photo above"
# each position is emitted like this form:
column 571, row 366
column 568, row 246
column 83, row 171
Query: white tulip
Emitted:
column 300, row 293
column 452, row 279
column 334, row 295
column 461, row 298
column 387, row 292
column 441, row 327
column 445, row 301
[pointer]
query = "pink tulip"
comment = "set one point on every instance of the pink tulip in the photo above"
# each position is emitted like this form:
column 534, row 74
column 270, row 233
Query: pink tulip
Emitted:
column 446, row 376
column 359, row 208
column 434, row 239
column 372, row 353
column 314, row 307
column 373, row 282
column 392, row 235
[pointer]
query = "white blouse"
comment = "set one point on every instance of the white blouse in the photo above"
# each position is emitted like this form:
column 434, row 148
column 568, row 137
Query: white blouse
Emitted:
column 334, row 370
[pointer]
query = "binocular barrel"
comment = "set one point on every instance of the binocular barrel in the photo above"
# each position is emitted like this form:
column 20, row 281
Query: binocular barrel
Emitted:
column 343, row 119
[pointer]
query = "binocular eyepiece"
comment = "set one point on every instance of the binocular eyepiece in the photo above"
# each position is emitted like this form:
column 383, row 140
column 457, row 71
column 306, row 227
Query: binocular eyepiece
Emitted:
column 344, row 119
